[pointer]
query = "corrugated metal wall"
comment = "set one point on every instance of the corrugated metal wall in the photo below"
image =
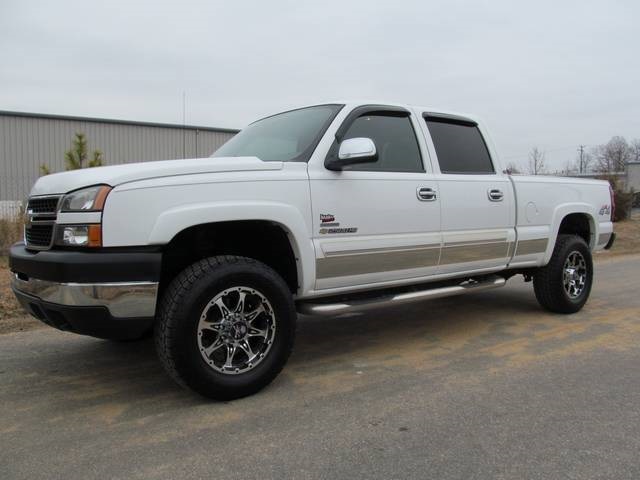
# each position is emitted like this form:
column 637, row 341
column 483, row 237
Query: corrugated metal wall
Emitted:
column 28, row 141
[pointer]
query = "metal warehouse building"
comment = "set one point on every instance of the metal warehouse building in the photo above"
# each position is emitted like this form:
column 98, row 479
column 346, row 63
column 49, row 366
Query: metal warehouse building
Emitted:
column 28, row 140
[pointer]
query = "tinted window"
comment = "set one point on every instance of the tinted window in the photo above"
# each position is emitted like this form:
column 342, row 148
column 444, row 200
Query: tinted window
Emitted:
column 395, row 141
column 460, row 148
column 286, row 137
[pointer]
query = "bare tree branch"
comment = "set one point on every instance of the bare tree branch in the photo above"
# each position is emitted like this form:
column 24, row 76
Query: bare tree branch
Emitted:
column 537, row 164
column 613, row 156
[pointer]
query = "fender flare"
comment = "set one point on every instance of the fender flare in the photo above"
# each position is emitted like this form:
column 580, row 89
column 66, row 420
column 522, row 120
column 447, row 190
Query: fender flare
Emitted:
column 559, row 213
column 173, row 221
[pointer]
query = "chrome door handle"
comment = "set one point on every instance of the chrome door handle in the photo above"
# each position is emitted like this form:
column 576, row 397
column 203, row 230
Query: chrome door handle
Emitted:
column 426, row 194
column 495, row 195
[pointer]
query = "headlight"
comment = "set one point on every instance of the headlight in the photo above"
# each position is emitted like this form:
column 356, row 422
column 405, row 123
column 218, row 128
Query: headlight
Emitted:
column 79, row 235
column 90, row 199
column 85, row 200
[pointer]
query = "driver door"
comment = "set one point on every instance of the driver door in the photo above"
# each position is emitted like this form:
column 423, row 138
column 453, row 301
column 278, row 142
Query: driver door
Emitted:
column 376, row 222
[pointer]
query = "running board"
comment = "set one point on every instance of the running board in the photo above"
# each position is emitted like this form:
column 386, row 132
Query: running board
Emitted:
column 317, row 307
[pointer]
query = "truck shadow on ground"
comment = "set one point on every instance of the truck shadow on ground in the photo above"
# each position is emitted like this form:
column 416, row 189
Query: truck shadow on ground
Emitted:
column 436, row 321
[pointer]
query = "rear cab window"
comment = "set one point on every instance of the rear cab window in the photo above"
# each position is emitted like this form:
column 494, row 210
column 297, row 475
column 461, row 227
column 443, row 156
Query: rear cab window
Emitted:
column 459, row 145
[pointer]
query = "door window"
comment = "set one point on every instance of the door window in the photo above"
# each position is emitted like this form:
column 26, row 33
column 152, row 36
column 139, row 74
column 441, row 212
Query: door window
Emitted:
column 460, row 147
column 395, row 142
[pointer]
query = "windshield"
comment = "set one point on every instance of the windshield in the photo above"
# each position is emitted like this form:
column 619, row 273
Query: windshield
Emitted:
column 285, row 137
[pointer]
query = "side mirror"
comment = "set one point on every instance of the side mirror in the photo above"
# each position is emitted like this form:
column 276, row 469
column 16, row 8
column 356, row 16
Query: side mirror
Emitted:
column 352, row 151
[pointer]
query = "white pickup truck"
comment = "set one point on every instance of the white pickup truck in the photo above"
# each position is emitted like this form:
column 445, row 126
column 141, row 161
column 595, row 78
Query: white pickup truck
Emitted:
column 323, row 210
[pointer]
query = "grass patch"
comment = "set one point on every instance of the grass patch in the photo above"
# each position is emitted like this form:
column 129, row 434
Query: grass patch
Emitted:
column 10, row 232
column 9, row 306
column 627, row 236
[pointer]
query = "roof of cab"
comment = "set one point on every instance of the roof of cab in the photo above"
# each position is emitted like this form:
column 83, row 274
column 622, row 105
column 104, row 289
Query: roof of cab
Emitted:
column 351, row 104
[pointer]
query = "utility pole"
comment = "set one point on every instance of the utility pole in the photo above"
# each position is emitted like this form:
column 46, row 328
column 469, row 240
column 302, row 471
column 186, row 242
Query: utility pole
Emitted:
column 184, row 124
column 581, row 150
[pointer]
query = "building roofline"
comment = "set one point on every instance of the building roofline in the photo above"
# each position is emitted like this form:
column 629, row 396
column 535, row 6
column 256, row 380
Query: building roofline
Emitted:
column 112, row 121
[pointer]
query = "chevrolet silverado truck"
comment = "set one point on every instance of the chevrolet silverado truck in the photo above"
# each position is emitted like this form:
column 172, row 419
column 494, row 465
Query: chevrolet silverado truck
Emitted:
column 322, row 210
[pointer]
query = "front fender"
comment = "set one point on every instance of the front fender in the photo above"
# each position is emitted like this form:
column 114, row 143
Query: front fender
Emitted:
column 171, row 222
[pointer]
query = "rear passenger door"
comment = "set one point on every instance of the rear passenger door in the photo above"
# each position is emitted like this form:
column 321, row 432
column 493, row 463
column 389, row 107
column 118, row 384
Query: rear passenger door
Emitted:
column 476, row 200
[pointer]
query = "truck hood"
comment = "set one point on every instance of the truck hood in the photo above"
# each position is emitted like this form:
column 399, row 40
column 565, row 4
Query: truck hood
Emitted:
column 118, row 174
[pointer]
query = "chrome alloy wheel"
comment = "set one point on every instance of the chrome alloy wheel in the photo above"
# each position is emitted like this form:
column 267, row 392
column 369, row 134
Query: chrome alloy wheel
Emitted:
column 574, row 274
column 236, row 330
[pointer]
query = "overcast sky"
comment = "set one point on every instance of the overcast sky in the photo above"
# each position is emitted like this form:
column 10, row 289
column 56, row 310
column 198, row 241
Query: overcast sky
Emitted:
column 554, row 74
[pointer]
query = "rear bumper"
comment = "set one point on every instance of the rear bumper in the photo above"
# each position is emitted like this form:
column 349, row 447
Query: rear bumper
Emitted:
column 103, row 294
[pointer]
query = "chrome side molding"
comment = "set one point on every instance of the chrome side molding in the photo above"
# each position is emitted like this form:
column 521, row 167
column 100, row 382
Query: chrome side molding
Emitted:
column 317, row 307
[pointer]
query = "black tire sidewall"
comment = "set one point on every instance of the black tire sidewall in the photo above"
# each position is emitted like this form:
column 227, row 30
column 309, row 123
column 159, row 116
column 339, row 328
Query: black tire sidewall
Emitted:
column 190, row 365
column 579, row 245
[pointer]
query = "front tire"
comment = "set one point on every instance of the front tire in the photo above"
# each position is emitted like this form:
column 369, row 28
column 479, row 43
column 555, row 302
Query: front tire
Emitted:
column 226, row 327
column 564, row 284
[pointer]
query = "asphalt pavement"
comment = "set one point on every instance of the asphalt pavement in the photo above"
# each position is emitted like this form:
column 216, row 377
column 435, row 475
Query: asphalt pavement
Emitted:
column 482, row 386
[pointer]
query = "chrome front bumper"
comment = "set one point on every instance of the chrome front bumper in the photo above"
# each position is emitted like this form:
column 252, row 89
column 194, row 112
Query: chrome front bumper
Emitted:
column 122, row 299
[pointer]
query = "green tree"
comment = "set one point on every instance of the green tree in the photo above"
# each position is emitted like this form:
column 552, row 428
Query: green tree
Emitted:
column 77, row 156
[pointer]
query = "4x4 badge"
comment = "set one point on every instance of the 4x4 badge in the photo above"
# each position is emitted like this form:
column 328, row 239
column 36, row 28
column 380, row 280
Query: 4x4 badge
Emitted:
column 605, row 210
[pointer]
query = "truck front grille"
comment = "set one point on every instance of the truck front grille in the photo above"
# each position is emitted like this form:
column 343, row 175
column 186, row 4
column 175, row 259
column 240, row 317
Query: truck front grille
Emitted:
column 40, row 222
column 43, row 205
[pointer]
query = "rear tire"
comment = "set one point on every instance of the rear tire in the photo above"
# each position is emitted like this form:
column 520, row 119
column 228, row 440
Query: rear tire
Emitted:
column 208, row 335
column 564, row 284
